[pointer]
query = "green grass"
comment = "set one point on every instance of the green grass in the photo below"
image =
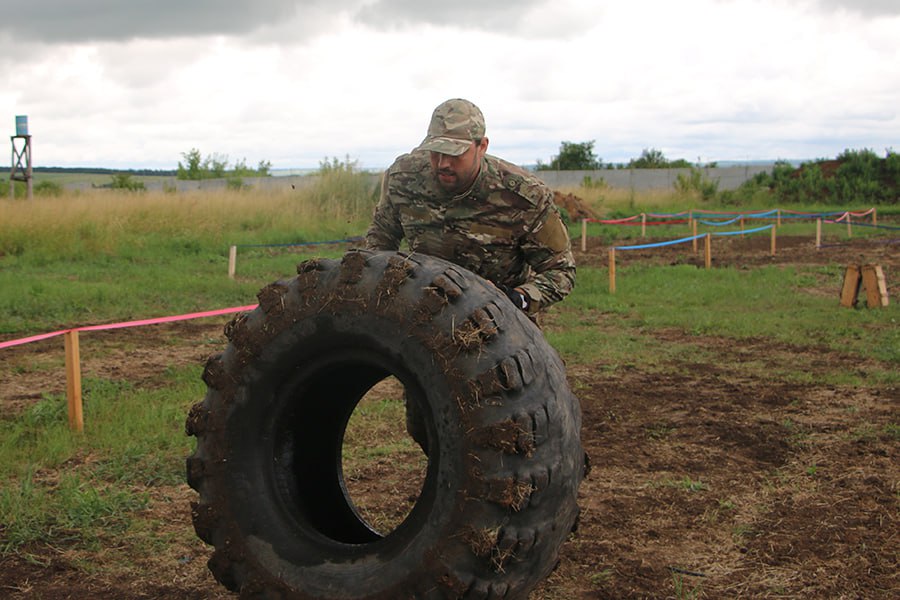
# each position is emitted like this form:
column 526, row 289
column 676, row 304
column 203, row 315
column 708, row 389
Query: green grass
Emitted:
column 769, row 302
column 78, row 490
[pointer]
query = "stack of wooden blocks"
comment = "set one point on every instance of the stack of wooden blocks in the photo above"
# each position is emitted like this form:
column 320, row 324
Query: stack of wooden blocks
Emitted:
column 869, row 277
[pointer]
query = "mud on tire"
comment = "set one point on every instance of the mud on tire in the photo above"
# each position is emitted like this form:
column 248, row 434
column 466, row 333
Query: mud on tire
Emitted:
column 505, row 459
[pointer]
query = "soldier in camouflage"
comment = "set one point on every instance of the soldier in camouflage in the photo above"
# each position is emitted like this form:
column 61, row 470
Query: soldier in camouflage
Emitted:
column 449, row 198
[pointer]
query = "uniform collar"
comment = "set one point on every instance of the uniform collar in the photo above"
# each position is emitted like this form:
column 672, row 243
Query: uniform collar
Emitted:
column 476, row 183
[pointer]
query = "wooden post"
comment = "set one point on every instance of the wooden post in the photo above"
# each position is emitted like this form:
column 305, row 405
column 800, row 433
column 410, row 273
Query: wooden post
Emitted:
column 818, row 233
column 876, row 286
column 849, row 232
column 584, row 235
column 73, row 381
column 612, row 270
column 773, row 241
column 694, row 241
column 850, row 289
column 643, row 225
column 232, row 260
column 875, row 216
column 742, row 226
column 778, row 213
column 708, row 250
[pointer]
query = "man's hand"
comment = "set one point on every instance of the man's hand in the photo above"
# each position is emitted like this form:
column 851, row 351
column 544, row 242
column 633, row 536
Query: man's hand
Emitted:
column 519, row 299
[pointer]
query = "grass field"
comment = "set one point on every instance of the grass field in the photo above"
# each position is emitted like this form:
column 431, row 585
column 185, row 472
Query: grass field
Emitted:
column 754, row 355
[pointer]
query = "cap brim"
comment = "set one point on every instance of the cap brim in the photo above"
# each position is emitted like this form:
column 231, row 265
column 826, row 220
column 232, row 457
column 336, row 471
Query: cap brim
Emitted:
column 445, row 145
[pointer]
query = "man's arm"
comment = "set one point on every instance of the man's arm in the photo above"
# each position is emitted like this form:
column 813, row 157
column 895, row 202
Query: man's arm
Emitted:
column 385, row 231
column 548, row 251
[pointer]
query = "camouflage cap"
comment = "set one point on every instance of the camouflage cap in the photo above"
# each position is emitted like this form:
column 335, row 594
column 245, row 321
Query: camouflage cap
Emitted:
column 454, row 125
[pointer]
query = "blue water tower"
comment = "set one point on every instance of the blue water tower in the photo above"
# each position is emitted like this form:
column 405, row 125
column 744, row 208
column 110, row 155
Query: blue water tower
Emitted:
column 21, row 157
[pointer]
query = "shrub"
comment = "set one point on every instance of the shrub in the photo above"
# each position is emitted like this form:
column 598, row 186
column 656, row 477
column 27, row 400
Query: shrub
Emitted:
column 124, row 181
column 696, row 184
column 854, row 177
column 47, row 188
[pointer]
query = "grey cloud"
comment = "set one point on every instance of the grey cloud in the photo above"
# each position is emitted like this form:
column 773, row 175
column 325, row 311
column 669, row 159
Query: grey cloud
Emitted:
column 869, row 8
column 494, row 15
column 52, row 21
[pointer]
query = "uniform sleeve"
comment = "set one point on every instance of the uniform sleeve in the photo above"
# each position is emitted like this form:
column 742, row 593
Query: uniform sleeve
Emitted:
column 548, row 251
column 385, row 232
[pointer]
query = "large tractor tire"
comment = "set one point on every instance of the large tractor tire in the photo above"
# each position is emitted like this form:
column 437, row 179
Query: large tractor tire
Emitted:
column 504, row 454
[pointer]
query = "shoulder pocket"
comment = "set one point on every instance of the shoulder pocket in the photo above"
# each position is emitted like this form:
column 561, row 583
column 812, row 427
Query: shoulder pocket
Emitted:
column 554, row 234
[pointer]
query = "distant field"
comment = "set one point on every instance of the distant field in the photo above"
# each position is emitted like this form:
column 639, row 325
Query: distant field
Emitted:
column 98, row 179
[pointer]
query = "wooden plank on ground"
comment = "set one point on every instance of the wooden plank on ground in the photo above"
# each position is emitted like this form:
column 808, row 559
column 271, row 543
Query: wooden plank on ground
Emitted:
column 876, row 286
column 851, row 286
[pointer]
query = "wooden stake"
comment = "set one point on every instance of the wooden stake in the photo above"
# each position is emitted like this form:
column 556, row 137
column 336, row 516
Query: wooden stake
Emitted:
column 778, row 212
column 612, row 270
column 742, row 226
column 73, row 382
column 874, row 216
column 818, row 234
column 708, row 251
column 694, row 241
column 232, row 260
column 773, row 241
column 584, row 235
column 849, row 232
column 850, row 289
column 643, row 225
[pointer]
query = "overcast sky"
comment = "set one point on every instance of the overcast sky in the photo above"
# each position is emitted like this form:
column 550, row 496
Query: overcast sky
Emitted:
column 129, row 85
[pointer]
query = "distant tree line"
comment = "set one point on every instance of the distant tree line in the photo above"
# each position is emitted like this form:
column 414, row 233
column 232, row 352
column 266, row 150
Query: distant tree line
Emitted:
column 103, row 171
column 215, row 166
column 854, row 177
column 581, row 157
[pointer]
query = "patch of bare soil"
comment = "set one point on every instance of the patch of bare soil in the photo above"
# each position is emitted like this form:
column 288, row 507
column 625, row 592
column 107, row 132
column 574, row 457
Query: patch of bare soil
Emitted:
column 707, row 481
column 754, row 250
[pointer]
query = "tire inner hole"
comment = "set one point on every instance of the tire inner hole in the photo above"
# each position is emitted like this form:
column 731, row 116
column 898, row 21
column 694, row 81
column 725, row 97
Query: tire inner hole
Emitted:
column 383, row 467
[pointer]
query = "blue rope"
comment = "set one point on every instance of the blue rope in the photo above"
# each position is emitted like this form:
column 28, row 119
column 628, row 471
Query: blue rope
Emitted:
column 659, row 244
column 743, row 232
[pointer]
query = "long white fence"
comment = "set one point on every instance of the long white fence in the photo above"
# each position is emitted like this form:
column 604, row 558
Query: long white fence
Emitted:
column 728, row 178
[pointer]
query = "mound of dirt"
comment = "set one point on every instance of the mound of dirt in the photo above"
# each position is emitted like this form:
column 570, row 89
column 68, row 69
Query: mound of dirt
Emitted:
column 828, row 167
column 574, row 206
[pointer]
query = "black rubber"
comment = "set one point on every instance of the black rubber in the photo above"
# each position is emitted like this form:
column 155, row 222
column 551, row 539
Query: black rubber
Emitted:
column 505, row 458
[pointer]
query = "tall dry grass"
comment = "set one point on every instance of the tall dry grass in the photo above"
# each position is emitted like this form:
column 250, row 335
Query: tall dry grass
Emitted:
column 108, row 222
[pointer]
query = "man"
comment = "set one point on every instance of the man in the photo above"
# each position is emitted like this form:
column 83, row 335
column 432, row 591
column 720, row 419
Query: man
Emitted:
column 449, row 198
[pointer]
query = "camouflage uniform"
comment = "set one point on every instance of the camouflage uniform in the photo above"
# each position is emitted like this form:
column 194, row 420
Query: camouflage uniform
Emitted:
column 505, row 228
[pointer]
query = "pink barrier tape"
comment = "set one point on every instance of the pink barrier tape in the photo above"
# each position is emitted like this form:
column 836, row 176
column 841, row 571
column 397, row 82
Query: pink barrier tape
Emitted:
column 34, row 338
column 613, row 221
column 138, row 323
column 862, row 214
column 631, row 221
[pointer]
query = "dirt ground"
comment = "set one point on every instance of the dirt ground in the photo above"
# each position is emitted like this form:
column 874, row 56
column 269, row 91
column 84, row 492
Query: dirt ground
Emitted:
column 708, row 481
